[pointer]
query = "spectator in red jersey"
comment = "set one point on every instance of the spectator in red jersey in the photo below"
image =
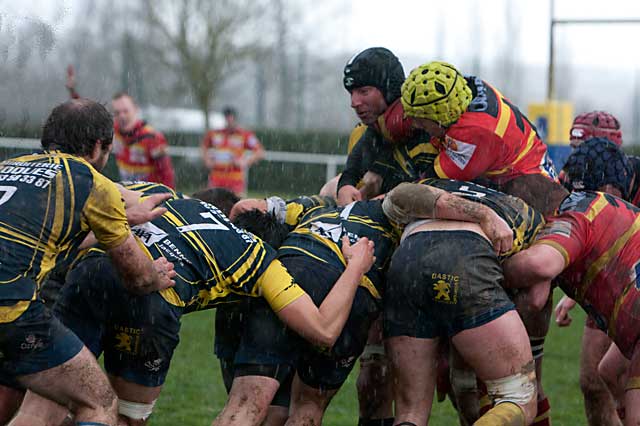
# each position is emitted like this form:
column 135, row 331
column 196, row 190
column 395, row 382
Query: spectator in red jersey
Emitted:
column 229, row 152
column 141, row 152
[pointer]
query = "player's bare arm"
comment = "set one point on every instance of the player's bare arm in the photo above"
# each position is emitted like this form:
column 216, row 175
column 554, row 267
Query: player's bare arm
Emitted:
column 323, row 325
column 140, row 274
column 410, row 201
column 532, row 271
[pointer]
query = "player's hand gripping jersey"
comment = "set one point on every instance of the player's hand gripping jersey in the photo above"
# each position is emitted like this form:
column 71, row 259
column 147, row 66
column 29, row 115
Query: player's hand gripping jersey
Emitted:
column 523, row 220
column 491, row 139
column 320, row 230
column 598, row 236
column 48, row 204
column 215, row 261
column 395, row 163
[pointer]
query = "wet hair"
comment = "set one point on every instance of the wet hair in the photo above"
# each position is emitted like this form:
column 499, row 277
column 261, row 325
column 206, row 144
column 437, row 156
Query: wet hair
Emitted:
column 75, row 125
column 222, row 198
column 263, row 225
column 229, row 110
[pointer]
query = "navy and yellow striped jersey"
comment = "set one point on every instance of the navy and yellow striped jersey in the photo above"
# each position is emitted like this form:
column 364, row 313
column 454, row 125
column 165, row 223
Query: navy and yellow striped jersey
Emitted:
column 296, row 208
column 150, row 188
column 49, row 201
column 215, row 261
column 320, row 230
column 524, row 221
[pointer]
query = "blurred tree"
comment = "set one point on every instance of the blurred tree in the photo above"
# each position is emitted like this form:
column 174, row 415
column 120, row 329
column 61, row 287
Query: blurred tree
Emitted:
column 201, row 41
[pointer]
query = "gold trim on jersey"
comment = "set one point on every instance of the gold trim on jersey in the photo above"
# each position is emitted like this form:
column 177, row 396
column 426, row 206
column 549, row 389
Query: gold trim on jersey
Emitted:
column 596, row 267
column 423, row 148
column 616, row 309
column 524, row 152
column 365, row 281
column 13, row 312
column 438, row 168
column 251, row 258
column 558, row 247
column 503, row 117
column 597, row 207
column 278, row 287
column 355, row 136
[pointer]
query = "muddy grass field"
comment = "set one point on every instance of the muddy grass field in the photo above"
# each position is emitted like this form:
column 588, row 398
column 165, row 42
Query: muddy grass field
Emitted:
column 194, row 393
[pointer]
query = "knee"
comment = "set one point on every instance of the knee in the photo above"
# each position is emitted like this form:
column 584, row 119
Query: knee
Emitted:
column 134, row 413
column 518, row 389
column 591, row 384
column 373, row 380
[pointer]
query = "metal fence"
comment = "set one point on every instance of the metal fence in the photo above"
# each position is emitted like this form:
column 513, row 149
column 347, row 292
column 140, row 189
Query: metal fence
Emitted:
column 261, row 177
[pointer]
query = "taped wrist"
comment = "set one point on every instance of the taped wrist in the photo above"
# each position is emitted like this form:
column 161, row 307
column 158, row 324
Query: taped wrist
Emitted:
column 409, row 201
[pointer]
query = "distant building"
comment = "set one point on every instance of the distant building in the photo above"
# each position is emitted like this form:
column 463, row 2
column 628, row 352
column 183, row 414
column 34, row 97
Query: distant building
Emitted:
column 181, row 120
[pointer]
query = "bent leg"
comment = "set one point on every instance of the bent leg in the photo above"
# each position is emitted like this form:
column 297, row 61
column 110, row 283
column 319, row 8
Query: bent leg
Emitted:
column 248, row 401
column 374, row 384
column 504, row 362
column 413, row 366
column 79, row 383
column 599, row 404
column 135, row 402
column 308, row 404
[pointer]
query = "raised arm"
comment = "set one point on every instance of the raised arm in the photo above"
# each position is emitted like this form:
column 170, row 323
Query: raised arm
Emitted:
column 411, row 201
column 323, row 325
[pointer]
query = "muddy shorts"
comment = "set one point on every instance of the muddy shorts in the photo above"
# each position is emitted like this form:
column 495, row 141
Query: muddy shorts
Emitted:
column 267, row 341
column 137, row 334
column 34, row 342
column 441, row 283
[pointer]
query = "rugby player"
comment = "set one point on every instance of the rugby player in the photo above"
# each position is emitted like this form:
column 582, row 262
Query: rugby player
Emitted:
column 311, row 253
column 595, row 165
column 50, row 201
column 480, row 134
column 216, row 263
column 373, row 79
column 447, row 285
column 592, row 247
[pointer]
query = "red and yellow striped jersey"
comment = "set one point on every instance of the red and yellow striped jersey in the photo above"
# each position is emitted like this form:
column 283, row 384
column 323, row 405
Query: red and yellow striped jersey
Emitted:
column 142, row 155
column 598, row 235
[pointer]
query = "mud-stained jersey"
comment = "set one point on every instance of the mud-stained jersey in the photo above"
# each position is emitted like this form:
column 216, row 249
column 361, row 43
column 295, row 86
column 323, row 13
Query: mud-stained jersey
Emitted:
column 320, row 230
column 491, row 139
column 215, row 262
column 48, row 203
column 151, row 188
column 524, row 221
column 599, row 236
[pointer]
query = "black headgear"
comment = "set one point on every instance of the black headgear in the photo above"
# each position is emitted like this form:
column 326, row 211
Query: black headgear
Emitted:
column 376, row 67
column 598, row 162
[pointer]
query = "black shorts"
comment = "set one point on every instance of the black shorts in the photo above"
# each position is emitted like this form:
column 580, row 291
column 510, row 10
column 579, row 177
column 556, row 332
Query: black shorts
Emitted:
column 34, row 342
column 137, row 334
column 441, row 283
column 266, row 341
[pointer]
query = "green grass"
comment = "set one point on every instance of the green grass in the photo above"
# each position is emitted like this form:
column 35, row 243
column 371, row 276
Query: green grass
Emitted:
column 194, row 393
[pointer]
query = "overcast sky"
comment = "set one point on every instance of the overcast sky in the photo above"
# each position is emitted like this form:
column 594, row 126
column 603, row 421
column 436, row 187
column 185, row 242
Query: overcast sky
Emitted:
column 452, row 28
